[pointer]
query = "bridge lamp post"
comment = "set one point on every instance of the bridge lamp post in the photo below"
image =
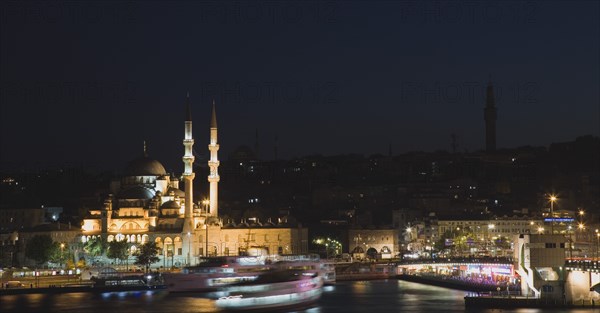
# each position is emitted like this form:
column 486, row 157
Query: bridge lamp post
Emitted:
column 409, row 243
column 490, row 229
column 552, row 200
column 569, row 229
column 540, row 230
column 62, row 247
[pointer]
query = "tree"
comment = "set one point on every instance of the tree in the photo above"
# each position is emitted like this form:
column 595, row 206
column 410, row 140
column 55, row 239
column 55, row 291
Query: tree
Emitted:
column 96, row 246
column 463, row 240
column 41, row 248
column 440, row 244
column 502, row 243
column 60, row 253
column 118, row 250
column 81, row 263
column 147, row 254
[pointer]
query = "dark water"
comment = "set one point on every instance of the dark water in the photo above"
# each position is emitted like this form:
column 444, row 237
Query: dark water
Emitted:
column 360, row 296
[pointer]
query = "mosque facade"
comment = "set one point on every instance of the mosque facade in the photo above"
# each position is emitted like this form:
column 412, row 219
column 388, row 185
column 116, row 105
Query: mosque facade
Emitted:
column 148, row 204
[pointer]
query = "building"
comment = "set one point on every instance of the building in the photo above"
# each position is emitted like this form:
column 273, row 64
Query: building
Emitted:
column 373, row 243
column 486, row 236
column 20, row 218
column 147, row 204
column 539, row 260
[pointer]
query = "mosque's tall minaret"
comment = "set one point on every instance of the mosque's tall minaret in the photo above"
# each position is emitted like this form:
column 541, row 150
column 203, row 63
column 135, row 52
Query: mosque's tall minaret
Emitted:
column 188, row 172
column 213, row 164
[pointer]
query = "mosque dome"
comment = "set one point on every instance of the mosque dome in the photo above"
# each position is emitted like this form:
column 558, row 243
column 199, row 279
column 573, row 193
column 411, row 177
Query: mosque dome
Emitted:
column 170, row 205
column 176, row 192
column 145, row 166
column 137, row 192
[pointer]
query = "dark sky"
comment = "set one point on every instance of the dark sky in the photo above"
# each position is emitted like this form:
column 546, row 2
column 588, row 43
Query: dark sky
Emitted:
column 87, row 82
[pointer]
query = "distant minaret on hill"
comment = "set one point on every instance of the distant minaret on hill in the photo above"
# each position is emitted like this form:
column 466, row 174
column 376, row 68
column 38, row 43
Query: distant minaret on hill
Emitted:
column 489, row 115
column 213, row 164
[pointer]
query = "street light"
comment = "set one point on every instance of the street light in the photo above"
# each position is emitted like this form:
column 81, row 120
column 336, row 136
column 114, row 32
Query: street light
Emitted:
column 189, row 247
column 490, row 228
column 206, row 240
column 569, row 229
column 205, row 202
column 552, row 200
column 62, row 247
column 540, row 230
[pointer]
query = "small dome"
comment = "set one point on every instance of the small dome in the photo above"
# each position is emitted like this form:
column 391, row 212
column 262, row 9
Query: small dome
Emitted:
column 170, row 205
column 137, row 192
column 176, row 192
column 145, row 166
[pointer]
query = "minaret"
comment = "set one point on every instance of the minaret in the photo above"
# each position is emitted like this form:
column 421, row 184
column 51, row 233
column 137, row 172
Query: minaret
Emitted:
column 188, row 172
column 489, row 115
column 213, row 164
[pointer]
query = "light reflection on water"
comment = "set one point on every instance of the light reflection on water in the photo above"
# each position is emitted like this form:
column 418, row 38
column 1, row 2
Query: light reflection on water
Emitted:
column 348, row 297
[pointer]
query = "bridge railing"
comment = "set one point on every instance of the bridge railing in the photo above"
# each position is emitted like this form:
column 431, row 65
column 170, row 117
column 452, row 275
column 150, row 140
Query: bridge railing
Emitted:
column 497, row 260
column 582, row 265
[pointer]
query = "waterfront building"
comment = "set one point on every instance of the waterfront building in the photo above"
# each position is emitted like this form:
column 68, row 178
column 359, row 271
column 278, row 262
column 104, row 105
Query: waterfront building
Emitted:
column 539, row 261
column 148, row 204
column 487, row 236
column 381, row 243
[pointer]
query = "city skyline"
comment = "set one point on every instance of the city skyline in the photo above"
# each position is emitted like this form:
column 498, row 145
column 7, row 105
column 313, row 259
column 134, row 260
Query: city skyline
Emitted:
column 336, row 78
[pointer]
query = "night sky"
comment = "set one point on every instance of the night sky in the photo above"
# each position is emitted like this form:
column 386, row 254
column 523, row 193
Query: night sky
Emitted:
column 88, row 82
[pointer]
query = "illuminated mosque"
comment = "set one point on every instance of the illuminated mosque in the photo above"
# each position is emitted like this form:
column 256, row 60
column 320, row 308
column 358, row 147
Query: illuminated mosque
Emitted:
column 147, row 204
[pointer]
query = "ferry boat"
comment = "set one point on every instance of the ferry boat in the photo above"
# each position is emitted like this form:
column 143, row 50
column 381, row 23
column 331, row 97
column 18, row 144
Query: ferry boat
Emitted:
column 108, row 281
column 211, row 273
column 309, row 264
column 128, row 282
column 275, row 290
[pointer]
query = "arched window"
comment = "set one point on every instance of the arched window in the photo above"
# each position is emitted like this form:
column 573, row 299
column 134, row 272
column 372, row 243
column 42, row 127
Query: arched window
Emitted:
column 178, row 246
column 358, row 249
column 372, row 253
column 169, row 248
